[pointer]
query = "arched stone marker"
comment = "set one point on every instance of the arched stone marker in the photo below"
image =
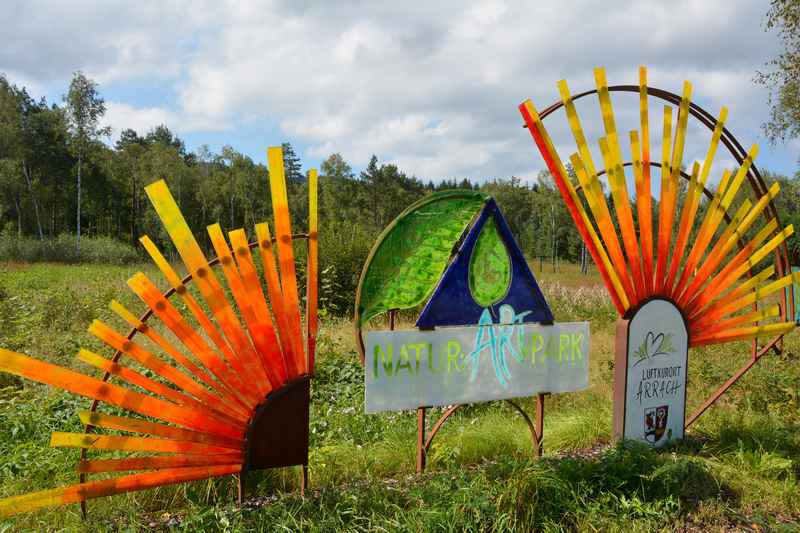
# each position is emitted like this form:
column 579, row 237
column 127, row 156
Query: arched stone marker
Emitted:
column 650, row 374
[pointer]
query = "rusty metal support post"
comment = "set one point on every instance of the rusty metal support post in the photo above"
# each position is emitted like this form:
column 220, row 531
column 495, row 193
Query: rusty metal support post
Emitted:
column 539, row 424
column 421, row 448
column 303, row 479
column 536, row 436
column 772, row 345
column 435, row 429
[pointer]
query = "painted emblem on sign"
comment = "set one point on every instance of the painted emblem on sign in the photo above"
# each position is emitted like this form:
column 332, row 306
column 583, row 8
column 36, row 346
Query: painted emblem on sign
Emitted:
column 498, row 341
column 654, row 345
column 655, row 423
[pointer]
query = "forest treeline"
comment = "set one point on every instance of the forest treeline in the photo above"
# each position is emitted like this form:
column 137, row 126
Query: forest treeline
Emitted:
column 50, row 151
column 40, row 159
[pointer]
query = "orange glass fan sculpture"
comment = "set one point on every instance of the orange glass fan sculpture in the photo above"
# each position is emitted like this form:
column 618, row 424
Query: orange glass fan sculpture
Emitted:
column 223, row 397
column 705, row 265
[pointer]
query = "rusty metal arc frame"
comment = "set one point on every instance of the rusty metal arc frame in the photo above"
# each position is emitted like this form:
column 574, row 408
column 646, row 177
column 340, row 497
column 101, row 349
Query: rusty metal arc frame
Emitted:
column 134, row 331
column 424, row 443
column 759, row 188
column 536, row 439
column 425, row 439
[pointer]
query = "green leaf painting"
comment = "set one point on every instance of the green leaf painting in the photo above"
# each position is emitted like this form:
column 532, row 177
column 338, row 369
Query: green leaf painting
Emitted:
column 489, row 266
column 413, row 252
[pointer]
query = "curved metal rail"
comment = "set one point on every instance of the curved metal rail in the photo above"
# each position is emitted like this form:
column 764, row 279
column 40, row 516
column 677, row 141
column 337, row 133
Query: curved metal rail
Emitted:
column 759, row 188
column 134, row 331
column 427, row 440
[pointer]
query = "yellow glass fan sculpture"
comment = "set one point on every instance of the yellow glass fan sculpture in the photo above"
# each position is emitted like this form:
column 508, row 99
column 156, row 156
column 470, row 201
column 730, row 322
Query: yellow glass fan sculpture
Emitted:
column 698, row 266
column 690, row 274
column 223, row 397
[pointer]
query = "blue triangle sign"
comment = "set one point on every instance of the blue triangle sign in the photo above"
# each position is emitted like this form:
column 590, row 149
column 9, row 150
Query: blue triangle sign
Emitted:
column 455, row 301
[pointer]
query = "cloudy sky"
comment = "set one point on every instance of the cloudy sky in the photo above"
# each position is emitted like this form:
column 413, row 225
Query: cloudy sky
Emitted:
column 431, row 86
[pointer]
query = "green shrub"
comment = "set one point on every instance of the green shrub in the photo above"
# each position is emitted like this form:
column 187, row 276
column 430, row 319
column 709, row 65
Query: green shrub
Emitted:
column 62, row 249
column 343, row 249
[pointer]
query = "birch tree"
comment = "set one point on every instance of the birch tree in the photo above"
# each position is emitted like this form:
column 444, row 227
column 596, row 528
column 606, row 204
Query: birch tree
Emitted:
column 84, row 108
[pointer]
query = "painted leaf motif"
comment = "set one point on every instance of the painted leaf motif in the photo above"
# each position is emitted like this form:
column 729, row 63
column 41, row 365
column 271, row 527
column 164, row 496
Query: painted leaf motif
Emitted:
column 413, row 252
column 490, row 266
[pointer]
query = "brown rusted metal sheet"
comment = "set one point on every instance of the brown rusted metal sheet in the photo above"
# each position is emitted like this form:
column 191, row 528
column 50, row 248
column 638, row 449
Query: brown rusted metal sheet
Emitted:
column 278, row 432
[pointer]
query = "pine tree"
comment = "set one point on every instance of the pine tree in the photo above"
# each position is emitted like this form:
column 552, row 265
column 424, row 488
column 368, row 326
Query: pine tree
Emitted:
column 291, row 163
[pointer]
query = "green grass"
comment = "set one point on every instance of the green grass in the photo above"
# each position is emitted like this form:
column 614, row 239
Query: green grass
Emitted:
column 738, row 468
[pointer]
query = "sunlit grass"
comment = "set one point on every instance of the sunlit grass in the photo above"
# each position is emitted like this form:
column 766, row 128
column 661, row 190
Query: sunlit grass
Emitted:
column 739, row 465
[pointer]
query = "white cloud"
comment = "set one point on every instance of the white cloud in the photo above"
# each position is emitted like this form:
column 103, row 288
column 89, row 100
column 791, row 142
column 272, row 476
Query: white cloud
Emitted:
column 122, row 116
column 433, row 87
column 108, row 40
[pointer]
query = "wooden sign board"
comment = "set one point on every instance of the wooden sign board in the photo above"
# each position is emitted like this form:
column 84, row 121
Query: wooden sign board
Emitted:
column 650, row 374
column 465, row 364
